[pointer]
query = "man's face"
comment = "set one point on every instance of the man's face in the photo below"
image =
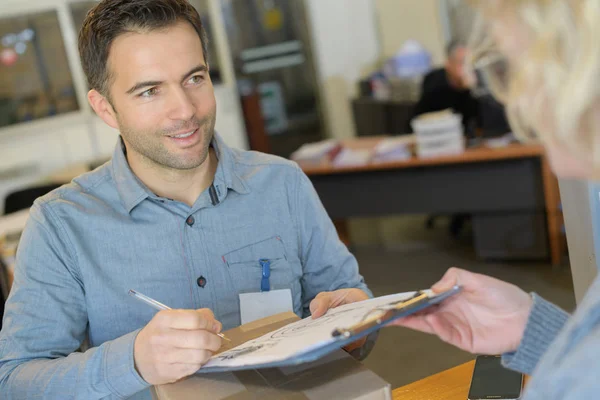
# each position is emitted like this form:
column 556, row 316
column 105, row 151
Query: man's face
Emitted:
column 162, row 96
column 455, row 66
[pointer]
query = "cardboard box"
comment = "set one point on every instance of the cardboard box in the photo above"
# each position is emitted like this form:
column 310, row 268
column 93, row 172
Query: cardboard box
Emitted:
column 337, row 376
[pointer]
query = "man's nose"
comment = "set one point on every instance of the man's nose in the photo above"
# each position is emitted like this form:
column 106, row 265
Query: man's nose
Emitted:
column 181, row 106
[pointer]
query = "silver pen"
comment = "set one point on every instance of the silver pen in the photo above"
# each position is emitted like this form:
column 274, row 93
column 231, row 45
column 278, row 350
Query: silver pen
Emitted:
column 160, row 306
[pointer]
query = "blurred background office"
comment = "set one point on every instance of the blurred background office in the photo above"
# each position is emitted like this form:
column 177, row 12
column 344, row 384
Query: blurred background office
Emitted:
column 332, row 84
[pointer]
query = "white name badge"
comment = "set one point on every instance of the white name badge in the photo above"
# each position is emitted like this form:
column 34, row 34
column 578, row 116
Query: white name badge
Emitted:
column 259, row 305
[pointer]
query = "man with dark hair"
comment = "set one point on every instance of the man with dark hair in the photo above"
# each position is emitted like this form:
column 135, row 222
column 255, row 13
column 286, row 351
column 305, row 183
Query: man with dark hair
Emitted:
column 176, row 214
column 448, row 87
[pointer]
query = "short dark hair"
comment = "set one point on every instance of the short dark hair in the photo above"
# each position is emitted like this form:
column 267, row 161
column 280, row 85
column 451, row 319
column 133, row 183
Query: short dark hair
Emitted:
column 453, row 45
column 111, row 18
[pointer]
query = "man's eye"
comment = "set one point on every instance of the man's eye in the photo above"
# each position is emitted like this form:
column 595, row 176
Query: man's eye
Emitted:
column 196, row 79
column 149, row 92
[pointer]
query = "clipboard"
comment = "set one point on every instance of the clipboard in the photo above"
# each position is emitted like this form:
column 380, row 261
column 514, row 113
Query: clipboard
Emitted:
column 373, row 320
column 383, row 315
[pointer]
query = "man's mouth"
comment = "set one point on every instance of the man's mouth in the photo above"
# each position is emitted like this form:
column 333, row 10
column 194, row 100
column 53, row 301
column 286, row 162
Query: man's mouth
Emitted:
column 183, row 135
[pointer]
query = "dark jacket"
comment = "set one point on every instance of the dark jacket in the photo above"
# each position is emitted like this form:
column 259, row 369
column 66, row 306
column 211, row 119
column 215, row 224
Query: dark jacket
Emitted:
column 437, row 94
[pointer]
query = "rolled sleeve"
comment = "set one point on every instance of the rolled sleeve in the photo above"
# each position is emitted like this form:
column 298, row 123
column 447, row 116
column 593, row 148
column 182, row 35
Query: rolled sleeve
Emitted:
column 544, row 323
column 119, row 366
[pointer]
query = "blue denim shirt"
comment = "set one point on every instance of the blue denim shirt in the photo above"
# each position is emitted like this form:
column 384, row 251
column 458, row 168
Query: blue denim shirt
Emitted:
column 89, row 242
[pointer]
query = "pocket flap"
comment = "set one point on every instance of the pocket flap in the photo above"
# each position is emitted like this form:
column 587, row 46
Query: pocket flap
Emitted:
column 270, row 249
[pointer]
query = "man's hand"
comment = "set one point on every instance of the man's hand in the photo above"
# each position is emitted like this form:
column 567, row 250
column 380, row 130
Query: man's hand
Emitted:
column 487, row 317
column 326, row 300
column 175, row 344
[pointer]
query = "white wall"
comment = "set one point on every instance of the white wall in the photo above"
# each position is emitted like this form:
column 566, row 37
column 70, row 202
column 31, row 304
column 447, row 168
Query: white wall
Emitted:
column 400, row 20
column 346, row 48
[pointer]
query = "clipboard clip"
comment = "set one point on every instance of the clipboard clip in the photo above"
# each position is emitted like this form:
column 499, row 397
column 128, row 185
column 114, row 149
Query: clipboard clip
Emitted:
column 388, row 312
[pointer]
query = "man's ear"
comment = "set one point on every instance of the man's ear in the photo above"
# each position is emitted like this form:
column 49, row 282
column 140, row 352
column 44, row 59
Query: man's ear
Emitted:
column 103, row 108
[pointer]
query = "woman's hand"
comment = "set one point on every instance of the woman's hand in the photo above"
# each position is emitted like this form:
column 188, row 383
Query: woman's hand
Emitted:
column 487, row 317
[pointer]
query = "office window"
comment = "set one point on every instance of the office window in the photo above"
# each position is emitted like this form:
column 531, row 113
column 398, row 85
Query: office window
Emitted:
column 35, row 78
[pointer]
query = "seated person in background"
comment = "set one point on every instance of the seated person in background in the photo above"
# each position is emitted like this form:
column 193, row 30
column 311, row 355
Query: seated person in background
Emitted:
column 448, row 88
column 444, row 88
column 176, row 214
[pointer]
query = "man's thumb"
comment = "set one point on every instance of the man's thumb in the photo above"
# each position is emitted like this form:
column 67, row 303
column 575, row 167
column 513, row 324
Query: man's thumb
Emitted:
column 449, row 279
column 319, row 306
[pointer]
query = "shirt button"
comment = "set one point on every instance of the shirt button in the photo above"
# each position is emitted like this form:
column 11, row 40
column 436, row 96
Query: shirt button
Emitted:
column 190, row 220
column 201, row 282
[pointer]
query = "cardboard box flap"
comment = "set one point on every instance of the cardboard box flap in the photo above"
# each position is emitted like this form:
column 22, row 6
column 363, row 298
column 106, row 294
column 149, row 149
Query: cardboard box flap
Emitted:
column 255, row 329
column 337, row 376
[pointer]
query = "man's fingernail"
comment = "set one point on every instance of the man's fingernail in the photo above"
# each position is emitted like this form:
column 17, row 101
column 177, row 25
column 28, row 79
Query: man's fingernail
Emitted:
column 215, row 328
column 440, row 285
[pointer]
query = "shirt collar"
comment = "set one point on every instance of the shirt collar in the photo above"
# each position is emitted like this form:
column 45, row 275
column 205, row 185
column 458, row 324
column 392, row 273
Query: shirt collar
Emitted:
column 132, row 191
column 227, row 173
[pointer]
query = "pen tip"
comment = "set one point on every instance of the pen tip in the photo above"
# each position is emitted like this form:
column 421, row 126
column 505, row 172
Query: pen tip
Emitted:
column 223, row 337
column 131, row 291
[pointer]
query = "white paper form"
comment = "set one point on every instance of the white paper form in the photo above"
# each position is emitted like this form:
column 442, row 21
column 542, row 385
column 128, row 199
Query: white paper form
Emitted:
column 300, row 337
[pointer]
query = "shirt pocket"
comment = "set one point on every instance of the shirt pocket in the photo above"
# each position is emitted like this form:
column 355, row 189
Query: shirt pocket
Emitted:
column 245, row 269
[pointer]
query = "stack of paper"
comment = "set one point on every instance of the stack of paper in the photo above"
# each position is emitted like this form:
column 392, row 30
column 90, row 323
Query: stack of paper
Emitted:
column 394, row 149
column 13, row 223
column 352, row 157
column 11, row 226
column 438, row 134
column 501, row 141
column 316, row 152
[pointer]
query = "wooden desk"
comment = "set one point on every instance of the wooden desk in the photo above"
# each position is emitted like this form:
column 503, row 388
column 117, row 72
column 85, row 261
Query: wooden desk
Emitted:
column 487, row 188
column 473, row 155
column 452, row 384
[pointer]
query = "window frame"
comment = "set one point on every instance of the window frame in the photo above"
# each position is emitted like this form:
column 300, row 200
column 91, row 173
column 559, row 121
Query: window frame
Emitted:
column 69, row 38
column 18, row 8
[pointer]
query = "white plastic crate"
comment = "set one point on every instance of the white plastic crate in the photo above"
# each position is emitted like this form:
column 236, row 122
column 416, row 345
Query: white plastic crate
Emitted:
column 436, row 123
column 441, row 148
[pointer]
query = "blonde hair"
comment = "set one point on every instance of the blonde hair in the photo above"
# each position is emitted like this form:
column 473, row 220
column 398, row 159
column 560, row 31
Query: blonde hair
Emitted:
column 553, row 86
